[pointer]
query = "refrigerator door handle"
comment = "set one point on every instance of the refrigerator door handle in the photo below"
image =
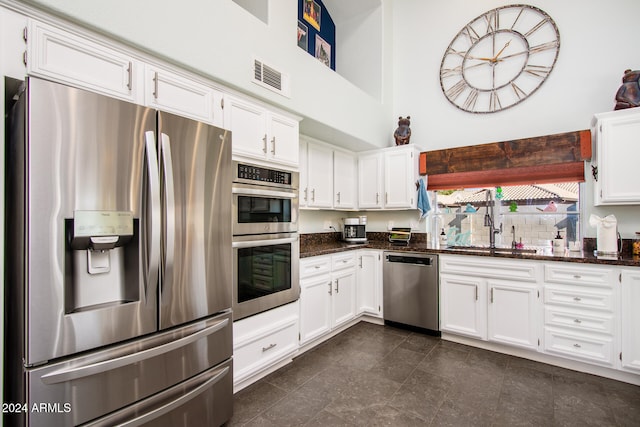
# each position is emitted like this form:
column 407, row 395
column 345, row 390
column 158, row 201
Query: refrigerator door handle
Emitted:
column 170, row 218
column 77, row 372
column 153, row 243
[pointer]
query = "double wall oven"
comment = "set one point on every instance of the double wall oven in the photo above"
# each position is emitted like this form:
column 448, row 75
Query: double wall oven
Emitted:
column 266, row 246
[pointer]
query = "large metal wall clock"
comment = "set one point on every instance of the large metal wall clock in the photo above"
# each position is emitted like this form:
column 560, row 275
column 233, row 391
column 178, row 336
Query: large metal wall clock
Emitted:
column 499, row 59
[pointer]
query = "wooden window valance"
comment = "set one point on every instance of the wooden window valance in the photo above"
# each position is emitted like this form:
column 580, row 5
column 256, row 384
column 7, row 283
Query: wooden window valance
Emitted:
column 543, row 159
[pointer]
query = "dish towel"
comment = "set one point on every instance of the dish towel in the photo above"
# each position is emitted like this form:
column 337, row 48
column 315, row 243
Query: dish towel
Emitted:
column 424, row 204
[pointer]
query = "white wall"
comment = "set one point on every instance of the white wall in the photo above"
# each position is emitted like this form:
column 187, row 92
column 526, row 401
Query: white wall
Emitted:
column 598, row 41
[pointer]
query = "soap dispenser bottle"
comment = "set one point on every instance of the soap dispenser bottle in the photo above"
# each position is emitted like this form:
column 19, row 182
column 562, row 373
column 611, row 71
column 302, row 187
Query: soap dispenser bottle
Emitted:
column 443, row 239
column 558, row 243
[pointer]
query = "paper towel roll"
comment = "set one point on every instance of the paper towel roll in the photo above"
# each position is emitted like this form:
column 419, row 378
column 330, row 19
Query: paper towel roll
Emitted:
column 606, row 233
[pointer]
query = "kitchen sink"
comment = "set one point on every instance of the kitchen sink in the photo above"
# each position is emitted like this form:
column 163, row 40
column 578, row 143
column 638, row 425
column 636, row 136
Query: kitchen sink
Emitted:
column 493, row 250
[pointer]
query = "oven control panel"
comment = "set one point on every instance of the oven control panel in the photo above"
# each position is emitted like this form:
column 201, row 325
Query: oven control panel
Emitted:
column 265, row 175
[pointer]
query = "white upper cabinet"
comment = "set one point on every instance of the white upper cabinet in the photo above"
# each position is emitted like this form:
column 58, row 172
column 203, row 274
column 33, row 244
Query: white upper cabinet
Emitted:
column 12, row 44
column 169, row 91
column 345, row 178
column 82, row 62
column 319, row 176
column 387, row 177
column 370, row 180
column 616, row 137
column 260, row 134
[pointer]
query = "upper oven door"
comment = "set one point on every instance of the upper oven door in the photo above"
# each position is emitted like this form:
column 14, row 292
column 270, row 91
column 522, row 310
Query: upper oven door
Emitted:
column 259, row 209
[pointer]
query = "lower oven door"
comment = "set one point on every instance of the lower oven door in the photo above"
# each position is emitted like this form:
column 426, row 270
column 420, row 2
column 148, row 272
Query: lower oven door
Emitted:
column 265, row 269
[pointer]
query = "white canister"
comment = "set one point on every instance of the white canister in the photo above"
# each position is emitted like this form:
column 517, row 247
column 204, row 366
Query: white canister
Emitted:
column 606, row 233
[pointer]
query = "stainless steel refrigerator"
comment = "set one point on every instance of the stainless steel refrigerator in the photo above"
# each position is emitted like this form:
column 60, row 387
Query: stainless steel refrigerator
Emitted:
column 118, row 263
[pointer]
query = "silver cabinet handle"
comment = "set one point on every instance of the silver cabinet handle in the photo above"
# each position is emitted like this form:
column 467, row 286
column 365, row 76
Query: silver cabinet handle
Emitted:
column 269, row 347
column 360, row 261
column 577, row 345
column 77, row 372
column 170, row 215
column 151, row 246
column 149, row 416
column 476, row 286
column 577, row 321
column 386, row 198
column 492, row 295
column 273, row 145
column 130, row 76
column 306, row 190
column 338, row 194
column 337, row 286
column 330, row 289
column 377, row 198
column 577, row 276
column 313, row 195
column 264, row 144
column 577, row 299
column 155, row 85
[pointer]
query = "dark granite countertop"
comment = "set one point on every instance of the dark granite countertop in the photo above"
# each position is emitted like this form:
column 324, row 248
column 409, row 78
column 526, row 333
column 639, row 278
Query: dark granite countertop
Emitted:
column 328, row 243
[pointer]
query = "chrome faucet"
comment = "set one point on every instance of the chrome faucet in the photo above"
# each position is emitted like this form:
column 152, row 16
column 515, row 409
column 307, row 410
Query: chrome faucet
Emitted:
column 489, row 221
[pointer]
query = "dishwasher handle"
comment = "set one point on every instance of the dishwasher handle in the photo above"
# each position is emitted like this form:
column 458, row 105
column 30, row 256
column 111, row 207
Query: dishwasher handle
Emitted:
column 426, row 261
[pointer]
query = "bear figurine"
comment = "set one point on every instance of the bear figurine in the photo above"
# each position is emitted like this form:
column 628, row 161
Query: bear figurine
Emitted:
column 403, row 132
column 628, row 95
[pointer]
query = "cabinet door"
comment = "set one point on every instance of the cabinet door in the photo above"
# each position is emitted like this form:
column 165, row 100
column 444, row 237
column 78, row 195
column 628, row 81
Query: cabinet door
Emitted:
column 370, row 178
column 319, row 175
column 67, row 58
column 344, row 180
column 617, row 153
column 12, row 45
column 304, row 167
column 369, row 291
column 344, row 296
column 247, row 123
column 463, row 306
column 315, row 307
column 399, row 190
column 284, row 140
column 513, row 314
column 171, row 92
column 629, row 320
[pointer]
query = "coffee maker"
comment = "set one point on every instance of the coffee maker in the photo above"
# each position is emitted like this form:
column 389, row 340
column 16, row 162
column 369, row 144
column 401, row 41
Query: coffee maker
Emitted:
column 354, row 230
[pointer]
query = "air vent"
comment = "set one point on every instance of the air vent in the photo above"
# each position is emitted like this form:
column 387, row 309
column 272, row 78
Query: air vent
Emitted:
column 269, row 77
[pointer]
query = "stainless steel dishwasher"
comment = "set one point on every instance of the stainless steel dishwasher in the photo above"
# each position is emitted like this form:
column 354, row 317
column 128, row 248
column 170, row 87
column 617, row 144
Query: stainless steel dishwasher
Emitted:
column 410, row 289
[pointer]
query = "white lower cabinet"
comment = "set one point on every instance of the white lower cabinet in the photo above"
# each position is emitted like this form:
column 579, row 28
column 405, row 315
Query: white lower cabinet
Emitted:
column 463, row 305
column 315, row 302
column 369, row 281
column 630, row 320
column 580, row 312
column 490, row 299
column 263, row 341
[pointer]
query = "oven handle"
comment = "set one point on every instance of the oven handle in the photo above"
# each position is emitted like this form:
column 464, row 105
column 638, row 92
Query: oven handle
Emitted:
column 262, row 192
column 268, row 242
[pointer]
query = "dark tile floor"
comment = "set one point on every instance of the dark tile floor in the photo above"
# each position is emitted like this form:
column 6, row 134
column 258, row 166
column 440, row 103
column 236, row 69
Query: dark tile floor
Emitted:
column 383, row 376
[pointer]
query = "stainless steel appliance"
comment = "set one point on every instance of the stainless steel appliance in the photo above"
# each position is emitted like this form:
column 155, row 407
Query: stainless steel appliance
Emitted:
column 355, row 230
column 266, row 247
column 118, row 276
column 410, row 290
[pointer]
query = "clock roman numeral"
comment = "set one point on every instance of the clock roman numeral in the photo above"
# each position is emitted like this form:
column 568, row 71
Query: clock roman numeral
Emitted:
column 470, row 102
column 544, row 46
column 452, row 51
column 519, row 92
column 471, row 34
column 451, row 72
column 494, row 101
column 537, row 70
column 493, row 20
column 454, row 91
column 536, row 27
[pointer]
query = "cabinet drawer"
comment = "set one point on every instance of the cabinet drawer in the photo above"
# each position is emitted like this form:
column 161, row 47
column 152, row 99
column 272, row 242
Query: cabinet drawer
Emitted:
column 578, row 275
column 579, row 298
column 256, row 352
column 342, row 261
column 314, row 266
column 579, row 320
column 491, row 268
column 588, row 348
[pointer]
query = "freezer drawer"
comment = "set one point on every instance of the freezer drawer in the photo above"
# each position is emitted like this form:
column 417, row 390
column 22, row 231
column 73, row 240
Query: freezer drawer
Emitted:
column 99, row 383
